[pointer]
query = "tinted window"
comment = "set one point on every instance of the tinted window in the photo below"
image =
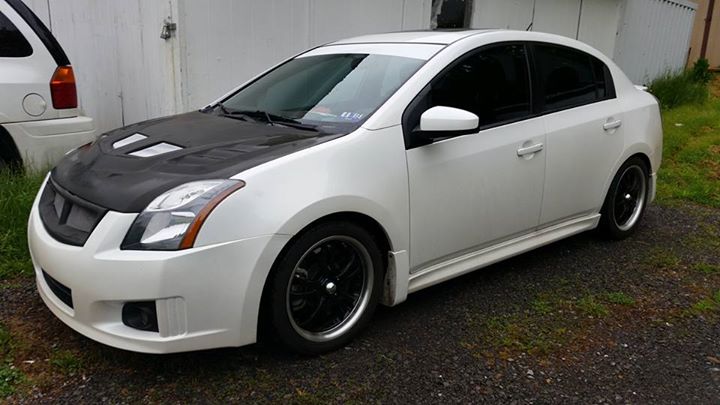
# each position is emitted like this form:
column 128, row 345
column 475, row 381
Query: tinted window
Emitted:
column 12, row 43
column 603, row 80
column 565, row 77
column 492, row 83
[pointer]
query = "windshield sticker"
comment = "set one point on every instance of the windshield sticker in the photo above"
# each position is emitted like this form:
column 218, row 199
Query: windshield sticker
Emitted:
column 352, row 116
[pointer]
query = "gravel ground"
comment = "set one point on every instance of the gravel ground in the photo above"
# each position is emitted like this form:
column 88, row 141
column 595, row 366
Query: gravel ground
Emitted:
column 581, row 320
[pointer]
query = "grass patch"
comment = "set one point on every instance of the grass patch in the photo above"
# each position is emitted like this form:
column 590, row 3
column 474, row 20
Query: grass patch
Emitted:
column 66, row 361
column 620, row 298
column 591, row 306
column 706, row 305
column 662, row 258
column 707, row 268
column 17, row 193
column 542, row 307
column 690, row 169
column 703, row 306
column 550, row 324
column 10, row 377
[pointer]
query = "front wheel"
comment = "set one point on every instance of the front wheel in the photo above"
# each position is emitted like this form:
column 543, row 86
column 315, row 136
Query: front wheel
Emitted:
column 325, row 287
column 626, row 200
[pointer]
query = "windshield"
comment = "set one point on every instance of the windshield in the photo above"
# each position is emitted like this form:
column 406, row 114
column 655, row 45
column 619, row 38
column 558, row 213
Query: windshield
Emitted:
column 332, row 93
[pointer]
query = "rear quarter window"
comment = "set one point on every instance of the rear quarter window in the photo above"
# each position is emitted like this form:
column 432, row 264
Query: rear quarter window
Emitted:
column 12, row 42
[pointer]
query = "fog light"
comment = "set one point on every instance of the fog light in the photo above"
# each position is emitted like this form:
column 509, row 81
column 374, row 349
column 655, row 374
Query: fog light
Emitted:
column 140, row 315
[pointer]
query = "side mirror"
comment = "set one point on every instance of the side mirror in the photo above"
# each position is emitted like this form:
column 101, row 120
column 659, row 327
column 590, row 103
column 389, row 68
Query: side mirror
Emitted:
column 444, row 122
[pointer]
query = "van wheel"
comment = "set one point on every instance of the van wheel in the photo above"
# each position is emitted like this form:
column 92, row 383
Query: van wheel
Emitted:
column 626, row 200
column 325, row 288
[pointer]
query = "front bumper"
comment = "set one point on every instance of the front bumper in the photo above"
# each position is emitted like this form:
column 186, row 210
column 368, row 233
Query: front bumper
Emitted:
column 206, row 297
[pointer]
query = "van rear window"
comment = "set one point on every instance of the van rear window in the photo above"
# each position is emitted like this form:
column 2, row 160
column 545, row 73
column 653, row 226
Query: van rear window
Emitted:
column 12, row 42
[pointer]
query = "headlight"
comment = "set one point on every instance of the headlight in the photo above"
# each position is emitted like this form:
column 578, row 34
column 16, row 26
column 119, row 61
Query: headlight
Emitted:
column 172, row 221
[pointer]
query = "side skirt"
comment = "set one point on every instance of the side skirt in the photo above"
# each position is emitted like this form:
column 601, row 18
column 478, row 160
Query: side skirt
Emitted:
column 468, row 262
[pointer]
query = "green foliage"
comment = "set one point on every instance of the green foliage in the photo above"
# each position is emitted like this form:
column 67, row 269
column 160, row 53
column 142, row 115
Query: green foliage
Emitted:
column 9, row 378
column 66, row 361
column 700, row 71
column 17, row 192
column 620, row 298
column 592, row 307
column 676, row 89
column 707, row 268
column 9, row 375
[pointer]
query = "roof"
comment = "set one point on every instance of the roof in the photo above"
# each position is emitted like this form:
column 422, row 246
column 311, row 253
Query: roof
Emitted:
column 424, row 37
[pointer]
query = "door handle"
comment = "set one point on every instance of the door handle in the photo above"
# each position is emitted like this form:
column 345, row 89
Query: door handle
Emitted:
column 530, row 149
column 612, row 125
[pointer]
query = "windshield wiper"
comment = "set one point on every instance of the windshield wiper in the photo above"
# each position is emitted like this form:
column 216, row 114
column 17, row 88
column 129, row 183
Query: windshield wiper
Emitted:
column 274, row 119
column 238, row 115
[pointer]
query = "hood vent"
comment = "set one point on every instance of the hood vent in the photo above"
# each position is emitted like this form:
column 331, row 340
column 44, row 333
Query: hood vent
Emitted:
column 127, row 141
column 154, row 150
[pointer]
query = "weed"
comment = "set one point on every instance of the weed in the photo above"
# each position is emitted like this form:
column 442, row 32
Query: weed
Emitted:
column 541, row 306
column 590, row 306
column 66, row 361
column 707, row 268
column 620, row 298
column 10, row 377
column 674, row 89
column 662, row 258
column 703, row 306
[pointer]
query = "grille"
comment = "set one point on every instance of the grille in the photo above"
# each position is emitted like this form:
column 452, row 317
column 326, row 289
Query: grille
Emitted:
column 61, row 291
column 68, row 218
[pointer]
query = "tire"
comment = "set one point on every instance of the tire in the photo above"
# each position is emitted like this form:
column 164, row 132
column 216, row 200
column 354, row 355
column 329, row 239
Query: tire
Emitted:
column 626, row 200
column 324, row 288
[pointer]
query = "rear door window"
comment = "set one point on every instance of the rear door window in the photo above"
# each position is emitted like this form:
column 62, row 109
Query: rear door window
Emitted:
column 566, row 77
column 12, row 42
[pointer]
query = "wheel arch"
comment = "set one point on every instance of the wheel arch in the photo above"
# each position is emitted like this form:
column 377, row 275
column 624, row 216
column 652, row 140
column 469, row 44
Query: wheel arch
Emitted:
column 8, row 149
column 642, row 154
column 363, row 220
column 641, row 150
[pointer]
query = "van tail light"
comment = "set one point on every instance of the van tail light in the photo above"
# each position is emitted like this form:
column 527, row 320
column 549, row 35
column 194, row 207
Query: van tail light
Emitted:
column 62, row 88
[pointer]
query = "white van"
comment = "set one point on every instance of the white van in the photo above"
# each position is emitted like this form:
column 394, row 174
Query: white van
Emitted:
column 39, row 116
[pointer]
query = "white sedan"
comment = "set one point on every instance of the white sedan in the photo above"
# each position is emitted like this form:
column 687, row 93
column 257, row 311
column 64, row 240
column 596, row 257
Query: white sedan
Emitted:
column 351, row 175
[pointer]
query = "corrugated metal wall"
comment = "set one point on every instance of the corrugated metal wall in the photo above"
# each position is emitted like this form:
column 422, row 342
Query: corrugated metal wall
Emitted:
column 591, row 21
column 654, row 37
column 126, row 73
column 225, row 42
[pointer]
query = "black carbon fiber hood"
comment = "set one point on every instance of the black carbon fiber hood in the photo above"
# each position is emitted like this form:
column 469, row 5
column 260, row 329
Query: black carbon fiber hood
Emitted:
column 212, row 147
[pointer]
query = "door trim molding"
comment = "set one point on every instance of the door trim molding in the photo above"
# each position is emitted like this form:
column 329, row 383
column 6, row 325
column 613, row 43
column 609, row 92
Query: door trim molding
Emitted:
column 471, row 261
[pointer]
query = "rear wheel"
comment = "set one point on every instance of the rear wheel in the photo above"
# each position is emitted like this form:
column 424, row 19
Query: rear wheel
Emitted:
column 626, row 200
column 325, row 287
